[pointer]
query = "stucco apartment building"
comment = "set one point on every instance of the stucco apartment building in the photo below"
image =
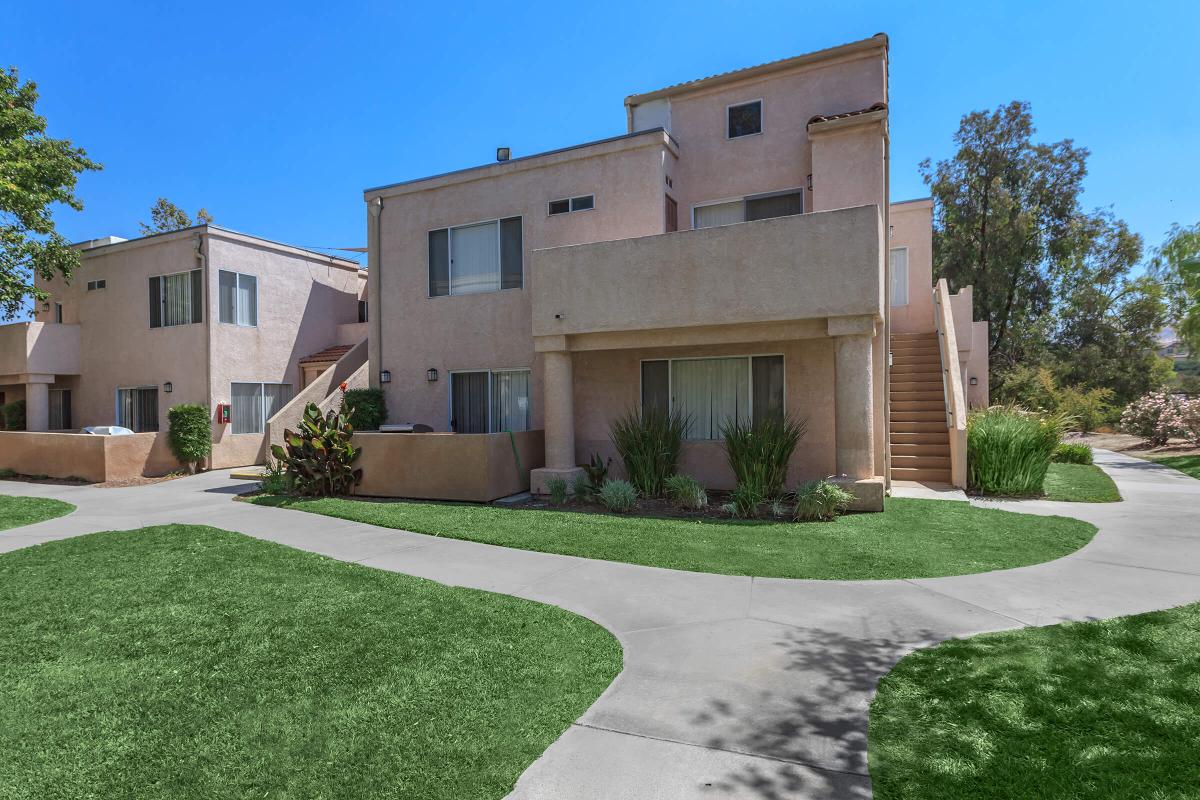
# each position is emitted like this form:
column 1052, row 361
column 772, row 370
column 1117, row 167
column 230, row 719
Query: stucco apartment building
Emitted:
column 734, row 253
column 201, row 315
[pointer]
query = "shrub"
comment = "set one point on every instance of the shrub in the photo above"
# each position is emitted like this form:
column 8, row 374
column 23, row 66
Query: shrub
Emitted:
column 618, row 495
column 582, row 487
column 190, row 433
column 1036, row 388
column 1086, row 409
column 1009, row 450
column 557, row 489
column 1073, row 453
column 365, row 408
column 649, row 445
column 758, row 453
column 745, row 500
column 1156, row 417
column 5, row 472
column 275, row 479
column 820, row 500
column 686, row 492
column 14, row 416
column 596, row 471
column 319, row 458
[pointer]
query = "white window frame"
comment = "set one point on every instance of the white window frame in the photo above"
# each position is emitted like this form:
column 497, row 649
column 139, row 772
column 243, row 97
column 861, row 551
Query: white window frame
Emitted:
column 262, row 401
column 499, row 258
column 117, row 402
column 749, row 371
column 762, row 118
column 892, row 300
column 490, row 372
column 571, row 209
column 237, row 288
column 743, row 199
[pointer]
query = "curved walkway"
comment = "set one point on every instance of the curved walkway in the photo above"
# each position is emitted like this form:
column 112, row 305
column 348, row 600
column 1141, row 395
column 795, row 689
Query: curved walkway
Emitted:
column 733, row 687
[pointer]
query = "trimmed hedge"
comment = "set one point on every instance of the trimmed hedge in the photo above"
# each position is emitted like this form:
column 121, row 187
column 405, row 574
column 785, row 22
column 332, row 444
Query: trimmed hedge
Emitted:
column 366, row 408
column 14, row 415
column 190, row 436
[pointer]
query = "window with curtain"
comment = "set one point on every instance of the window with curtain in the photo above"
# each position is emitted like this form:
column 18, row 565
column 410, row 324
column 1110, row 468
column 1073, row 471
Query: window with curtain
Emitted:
column 176, row 299
column 713, row 390
column 484, row 257
column 137, row 408
column 60, row 409
column 469, row 402
column 899, row 265
column 489, row 401
column 510, row 400
column 252, row 404
column 238, row 298
column 714, row 214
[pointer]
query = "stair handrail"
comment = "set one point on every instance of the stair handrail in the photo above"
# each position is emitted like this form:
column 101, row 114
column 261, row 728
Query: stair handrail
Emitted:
column 952, row 383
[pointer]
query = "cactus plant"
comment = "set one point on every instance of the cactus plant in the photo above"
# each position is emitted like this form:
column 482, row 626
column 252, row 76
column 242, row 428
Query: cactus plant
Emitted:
column 319, row 458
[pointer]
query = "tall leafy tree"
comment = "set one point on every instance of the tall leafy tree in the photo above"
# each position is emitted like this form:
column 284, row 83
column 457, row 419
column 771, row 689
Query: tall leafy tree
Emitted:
column 1177, row 264
column 1003, row 221
column 36, row 171
column 165, row 216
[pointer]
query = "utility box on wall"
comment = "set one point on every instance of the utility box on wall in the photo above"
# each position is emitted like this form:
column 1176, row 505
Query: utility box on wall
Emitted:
column 224, row 413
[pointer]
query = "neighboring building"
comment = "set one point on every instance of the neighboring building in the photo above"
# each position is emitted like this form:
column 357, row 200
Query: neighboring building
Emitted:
column 729, row 255
column 201, row 315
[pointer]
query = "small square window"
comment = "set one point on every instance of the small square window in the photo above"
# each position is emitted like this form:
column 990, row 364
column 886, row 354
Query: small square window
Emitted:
column 560, row 206
column 744, row 119
column 581, row 203
column 94, row 285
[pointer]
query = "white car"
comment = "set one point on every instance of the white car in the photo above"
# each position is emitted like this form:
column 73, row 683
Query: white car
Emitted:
column 107, row 430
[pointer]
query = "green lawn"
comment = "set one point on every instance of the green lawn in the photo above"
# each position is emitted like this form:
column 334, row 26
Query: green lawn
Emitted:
column 1079, row 483
column 910, row 539
column 188, row 662
column 18, row 511
column 1189, row 465
column 1086, row 710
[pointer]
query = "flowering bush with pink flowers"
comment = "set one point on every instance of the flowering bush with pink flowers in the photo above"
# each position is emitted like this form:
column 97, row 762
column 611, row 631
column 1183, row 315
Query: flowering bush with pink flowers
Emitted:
column 1159, row 416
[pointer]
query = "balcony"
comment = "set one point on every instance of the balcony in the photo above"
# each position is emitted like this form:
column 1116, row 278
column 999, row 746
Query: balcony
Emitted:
column 39, row 348
column 813, row 266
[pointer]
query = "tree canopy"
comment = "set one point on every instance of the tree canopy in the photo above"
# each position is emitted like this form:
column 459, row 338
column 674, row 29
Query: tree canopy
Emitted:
column 165, row 216
column 1177, row 264
column 36, row 171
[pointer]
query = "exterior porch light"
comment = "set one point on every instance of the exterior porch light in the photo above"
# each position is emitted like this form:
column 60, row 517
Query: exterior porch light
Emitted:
column 431, row 374
column 168, row 387
column 385, row 376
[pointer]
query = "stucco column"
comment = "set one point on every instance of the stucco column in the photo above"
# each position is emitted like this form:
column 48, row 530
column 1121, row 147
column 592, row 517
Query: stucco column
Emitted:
column 37, row 406
column 855, row 440
column 559, row 409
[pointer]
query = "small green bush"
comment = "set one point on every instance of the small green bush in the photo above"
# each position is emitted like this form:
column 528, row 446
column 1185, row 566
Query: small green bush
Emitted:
column 745, row 500
column 1085, row 409
column 14, row 416
column 686, row 492
column 557, row 489
column 820, row 500
column 649, row 445
column 275, row 479
column 758, row 453
column 319, row 458
column 1073, row 453
column 5, row 472
column 190, row 434
column 365, row 408
column 582, row 488
column 1009, row 450
column 618, row 495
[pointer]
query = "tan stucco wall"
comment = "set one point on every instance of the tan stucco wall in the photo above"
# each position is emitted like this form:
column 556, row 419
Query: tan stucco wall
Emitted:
column 447, row 466
column 912, row 228
column 93, row 458
column 492, row 330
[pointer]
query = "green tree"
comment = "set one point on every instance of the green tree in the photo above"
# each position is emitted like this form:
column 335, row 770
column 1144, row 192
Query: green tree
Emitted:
column 1003, row 221
column 36, row 171
column 1177, row 264
column 165, row 216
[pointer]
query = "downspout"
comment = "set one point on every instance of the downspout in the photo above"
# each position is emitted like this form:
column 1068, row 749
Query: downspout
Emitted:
column 374, row 292
column 202, row 257
column 887, row 261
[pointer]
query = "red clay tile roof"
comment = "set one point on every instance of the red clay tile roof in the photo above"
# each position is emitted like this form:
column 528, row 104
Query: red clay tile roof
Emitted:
column 328, row 355
column 868, row 110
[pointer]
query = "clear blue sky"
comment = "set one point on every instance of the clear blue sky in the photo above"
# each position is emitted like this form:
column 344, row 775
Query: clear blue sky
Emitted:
column 276, row 120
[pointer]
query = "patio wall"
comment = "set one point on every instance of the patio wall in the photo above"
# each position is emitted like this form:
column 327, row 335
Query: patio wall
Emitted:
column 93, row 458
column 477, row 467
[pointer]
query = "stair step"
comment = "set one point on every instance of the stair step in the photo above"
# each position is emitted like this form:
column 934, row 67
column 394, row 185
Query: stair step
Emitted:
column 915, row 350
column 940, row 450
column 907, row 385
column 902, row 426
column 920, row 462
column 909, row 369
column 921, row 474
column 938, row 438
column 908, row 337
column 936, row 415
column 905, row 406
column 916, row 396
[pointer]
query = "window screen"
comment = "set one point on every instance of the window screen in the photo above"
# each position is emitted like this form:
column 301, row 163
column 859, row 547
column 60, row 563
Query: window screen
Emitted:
column 710, row 216
column 777, row 205
column 744, row 119
column 656, row 387
column 510, row 253
column 469, row 402
column 510, row 400
column 439, row 263
column 899, row 257
column 238, row 298
column 766, row 374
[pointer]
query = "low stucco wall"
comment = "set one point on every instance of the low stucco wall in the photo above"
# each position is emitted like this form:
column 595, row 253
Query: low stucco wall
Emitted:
column 92, row 458
column 477, row 467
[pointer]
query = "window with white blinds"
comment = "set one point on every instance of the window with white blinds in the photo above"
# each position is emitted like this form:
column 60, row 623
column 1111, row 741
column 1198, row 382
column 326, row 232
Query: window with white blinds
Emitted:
column 252, row 404
column 176, row 299
column 899, row 269
column 489, row 401
column 484, row 257
column 238, row 298
column 748, row 209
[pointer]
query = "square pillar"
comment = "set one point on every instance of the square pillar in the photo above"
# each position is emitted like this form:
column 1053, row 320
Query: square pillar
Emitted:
column 558, row 409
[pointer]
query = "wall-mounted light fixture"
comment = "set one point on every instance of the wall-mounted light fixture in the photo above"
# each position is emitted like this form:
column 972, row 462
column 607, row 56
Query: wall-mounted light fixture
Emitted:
column 974, row 381
column 385, row 376
column 168, row 387
column 503, row 154
column 431, row 374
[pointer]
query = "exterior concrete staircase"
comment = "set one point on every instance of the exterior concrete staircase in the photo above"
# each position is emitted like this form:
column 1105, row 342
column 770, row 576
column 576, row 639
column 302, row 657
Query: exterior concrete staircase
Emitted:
column 920, row 440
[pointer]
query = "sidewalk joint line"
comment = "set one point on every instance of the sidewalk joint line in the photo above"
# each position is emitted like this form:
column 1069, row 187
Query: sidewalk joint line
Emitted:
column 1021, row 622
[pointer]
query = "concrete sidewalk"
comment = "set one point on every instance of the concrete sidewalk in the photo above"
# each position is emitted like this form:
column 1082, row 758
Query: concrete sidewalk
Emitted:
column 733, row 687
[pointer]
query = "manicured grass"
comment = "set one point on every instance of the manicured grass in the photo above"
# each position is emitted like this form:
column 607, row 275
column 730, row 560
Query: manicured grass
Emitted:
column 910, row 539
column 1189, row 465
column 188, row 662
column 1079, row 483
column 1085, row 710
column 18, row 511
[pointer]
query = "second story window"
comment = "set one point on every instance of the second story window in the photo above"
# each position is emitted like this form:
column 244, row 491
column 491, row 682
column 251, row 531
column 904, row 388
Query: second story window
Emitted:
column 176, row 299
column 94, row 285
column 583, row 203
column 748, row 209
column 743, row 119
column 238, row 298
column 899, row 257
column 469, row 259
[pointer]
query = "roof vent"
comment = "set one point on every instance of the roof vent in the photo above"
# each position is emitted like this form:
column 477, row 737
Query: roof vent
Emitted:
column 503, row 153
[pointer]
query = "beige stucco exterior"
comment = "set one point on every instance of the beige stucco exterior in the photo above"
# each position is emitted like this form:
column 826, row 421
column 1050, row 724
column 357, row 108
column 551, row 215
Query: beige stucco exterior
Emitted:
column 92, row 458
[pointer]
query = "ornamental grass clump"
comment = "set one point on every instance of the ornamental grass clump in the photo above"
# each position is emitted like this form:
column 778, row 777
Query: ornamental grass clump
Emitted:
column 1073, row 453
column 686, row 492
column 1009, row 450
column 649, row 443
column 820, row 501
column 758, row 453
column 618, row 495
column 556, row 488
